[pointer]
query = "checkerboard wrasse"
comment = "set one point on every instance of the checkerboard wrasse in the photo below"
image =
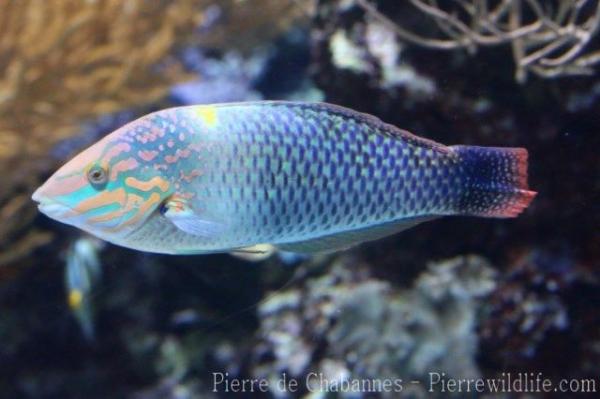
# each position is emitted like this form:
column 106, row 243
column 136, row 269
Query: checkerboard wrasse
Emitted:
column 302, row 177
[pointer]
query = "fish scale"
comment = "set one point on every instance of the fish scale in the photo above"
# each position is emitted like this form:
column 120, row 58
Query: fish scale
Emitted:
column 301, row 176
column 302, row 162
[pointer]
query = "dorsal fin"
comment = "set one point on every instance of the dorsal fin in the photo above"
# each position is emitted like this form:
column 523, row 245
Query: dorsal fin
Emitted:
column 384, row 128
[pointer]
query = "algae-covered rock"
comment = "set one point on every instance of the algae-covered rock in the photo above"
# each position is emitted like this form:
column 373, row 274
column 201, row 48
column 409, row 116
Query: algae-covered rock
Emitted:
column 350, row 326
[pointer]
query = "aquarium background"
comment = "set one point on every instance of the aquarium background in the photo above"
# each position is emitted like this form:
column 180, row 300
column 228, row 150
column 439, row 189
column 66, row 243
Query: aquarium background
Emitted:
column 468, row 297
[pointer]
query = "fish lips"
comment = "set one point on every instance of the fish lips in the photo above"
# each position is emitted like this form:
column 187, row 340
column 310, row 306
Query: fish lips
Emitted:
column 49, row 206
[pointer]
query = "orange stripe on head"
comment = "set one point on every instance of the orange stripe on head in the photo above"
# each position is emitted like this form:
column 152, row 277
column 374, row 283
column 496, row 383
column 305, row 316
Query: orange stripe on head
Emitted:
column 178, row 154
column 122, row 166
column 113, row 152
column 148, row 155
column 68, row 185
column 133, row 201
column 156, row 181
column 101, row 199
column 189, row 177
column 153, row 200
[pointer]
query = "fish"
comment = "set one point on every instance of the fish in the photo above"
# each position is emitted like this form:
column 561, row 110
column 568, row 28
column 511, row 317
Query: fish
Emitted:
column 300, row 177
column 82, row 272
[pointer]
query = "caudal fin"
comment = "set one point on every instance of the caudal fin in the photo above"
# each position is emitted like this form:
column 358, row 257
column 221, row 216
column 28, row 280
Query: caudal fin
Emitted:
column 495, row 181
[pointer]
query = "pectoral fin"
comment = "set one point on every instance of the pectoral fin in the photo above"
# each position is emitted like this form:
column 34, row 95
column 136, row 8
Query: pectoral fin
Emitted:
column 184, row 218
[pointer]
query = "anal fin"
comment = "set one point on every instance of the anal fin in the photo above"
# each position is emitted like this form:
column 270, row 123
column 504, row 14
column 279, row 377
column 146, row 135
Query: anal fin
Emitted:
column 347, row 239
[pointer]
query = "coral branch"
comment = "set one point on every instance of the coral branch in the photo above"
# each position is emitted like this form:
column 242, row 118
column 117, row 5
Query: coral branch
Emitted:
column 545, row 42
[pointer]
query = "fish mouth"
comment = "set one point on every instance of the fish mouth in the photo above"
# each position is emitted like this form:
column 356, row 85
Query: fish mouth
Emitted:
column 49, row 206
column 37, row 196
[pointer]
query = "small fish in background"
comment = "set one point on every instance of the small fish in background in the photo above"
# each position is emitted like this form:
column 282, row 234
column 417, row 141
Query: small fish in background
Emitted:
column 292, row 176
column 82, row 273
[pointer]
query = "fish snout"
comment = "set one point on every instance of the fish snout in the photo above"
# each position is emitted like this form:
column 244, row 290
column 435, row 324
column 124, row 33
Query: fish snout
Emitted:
column 38, row 195
column 48, row 205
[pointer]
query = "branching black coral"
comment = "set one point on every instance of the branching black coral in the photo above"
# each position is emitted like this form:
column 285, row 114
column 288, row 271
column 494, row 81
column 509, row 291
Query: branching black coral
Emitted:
column 549, row 39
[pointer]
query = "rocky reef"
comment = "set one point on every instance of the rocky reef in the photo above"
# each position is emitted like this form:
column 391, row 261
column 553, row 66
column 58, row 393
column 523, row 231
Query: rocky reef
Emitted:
column 346, row 327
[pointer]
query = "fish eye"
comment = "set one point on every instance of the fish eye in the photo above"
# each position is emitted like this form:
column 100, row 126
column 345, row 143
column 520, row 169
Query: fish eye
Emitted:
column 97, row 176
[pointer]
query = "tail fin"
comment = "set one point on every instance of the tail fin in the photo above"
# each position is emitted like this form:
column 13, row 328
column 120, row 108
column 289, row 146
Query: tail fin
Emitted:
column 495, row 181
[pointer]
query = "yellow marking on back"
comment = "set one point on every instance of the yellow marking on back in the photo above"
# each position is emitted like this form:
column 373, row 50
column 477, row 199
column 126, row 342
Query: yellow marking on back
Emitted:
column 208, row 114
column 75, row 299
column 156, row 181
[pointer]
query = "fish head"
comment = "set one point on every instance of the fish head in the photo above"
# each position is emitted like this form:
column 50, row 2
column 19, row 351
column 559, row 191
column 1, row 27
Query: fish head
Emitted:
column 105, row 190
